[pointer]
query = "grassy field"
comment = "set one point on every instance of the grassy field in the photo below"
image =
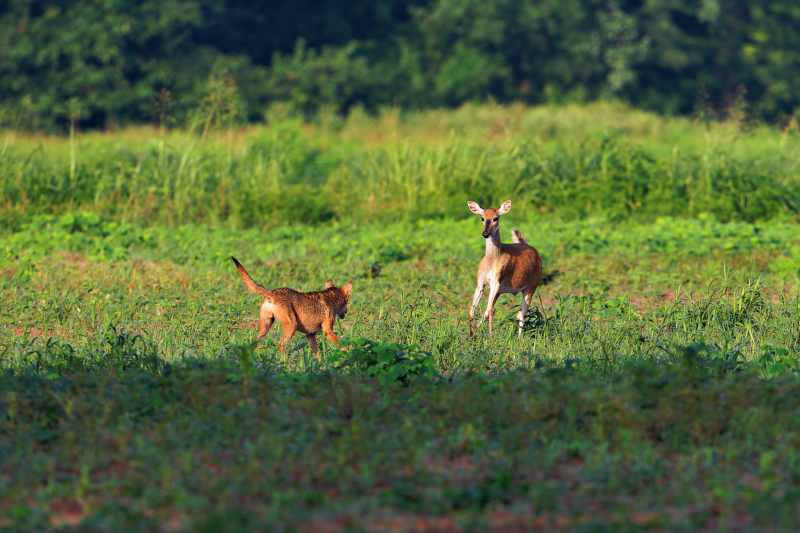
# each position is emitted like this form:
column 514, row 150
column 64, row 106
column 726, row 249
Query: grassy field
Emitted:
column 614, row 292
column 655, row 387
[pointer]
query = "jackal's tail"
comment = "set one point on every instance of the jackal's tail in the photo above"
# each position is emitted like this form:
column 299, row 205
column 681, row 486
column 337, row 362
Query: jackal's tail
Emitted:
column 516, row 235
column 251, row 285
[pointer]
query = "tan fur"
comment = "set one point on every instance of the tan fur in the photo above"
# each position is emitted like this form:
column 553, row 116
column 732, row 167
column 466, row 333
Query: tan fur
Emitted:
column 505, row 268
column 306, row 312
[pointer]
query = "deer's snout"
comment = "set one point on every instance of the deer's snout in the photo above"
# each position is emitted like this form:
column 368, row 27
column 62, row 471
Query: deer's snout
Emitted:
column 486, row 234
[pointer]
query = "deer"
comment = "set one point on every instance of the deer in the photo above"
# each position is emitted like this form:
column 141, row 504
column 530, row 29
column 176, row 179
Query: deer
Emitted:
column 505, row 268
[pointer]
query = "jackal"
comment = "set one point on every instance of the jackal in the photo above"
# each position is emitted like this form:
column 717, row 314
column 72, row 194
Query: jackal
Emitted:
column 306, row 312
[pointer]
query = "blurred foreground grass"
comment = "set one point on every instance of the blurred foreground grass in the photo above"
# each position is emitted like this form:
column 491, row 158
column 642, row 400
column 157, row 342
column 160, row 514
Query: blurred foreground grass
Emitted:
column 656, row 447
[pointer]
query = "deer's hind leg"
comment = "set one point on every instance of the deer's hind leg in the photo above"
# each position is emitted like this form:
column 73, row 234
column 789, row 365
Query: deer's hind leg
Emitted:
column 527, row 295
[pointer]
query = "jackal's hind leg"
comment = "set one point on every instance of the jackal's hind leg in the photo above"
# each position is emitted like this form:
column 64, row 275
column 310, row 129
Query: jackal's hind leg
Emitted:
column 289, row 329
column 265, row 323
column 312, row 341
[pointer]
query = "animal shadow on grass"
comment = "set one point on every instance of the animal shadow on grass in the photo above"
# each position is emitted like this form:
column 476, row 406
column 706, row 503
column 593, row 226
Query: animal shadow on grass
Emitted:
column 549, row 277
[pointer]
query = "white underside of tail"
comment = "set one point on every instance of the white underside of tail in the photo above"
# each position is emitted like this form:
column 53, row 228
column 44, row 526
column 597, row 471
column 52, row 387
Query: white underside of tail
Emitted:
column 517, row 237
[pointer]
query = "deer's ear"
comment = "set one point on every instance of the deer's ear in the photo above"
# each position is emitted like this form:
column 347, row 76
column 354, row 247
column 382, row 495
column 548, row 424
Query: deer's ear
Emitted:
column 505, row 208
column 329, row 284
column 346, row 288
column 475, row 208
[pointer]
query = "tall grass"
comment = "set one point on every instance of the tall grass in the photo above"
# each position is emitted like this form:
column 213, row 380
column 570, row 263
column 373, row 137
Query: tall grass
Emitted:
column 569, row 163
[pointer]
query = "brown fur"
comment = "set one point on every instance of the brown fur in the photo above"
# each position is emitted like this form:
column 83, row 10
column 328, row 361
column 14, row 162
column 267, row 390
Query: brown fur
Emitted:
column 306, row 312
column 505, row 268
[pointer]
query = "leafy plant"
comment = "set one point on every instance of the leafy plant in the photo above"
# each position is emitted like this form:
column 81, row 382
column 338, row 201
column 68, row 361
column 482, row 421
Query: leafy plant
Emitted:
column 777, row 362
column 386, row 362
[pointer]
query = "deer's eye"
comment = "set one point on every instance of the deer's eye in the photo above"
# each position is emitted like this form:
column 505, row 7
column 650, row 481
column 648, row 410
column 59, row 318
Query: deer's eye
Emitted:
column 495, row 219
column 481, row 219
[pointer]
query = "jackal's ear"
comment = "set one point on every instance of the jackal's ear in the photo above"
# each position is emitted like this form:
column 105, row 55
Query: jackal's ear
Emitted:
column 346, row 288
column 475, row 208
column 329, row 284
column 505, row 208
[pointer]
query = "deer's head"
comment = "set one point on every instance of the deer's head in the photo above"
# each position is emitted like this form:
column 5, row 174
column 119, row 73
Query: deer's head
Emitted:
column 490, row 217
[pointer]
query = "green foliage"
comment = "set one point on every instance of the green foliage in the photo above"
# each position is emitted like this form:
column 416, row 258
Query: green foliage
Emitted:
column 387, row 363
column 310, row 80
column 396, row 244
column 103, row 64
column 109, row 58
column 777, row 362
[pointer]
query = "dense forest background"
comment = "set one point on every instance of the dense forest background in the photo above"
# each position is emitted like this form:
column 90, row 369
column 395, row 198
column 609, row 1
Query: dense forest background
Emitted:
column 106, row 63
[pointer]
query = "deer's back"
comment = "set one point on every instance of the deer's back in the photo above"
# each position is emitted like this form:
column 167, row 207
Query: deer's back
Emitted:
column 519, row 266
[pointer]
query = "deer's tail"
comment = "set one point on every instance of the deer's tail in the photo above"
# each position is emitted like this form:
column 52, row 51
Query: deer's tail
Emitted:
column 251, row 285
column 516, row 235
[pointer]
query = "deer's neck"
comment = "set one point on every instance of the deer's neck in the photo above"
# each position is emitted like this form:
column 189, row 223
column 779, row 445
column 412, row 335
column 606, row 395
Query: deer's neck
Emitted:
column 494, row 248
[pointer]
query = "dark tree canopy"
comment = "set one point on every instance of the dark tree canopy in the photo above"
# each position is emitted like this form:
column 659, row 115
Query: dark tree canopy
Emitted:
column 102, row 62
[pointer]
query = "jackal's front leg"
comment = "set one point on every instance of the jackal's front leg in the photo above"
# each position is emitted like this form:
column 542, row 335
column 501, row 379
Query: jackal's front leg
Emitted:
column 327, row 330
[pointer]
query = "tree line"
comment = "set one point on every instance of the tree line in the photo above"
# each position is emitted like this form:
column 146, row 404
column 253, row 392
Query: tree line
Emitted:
column 114, row 62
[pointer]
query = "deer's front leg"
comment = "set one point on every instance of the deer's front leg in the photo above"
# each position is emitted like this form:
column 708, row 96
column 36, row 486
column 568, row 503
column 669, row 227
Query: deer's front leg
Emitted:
column 476, row 300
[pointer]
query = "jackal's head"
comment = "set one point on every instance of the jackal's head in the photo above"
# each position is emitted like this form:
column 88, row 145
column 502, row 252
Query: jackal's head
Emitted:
column 344, row 292
column 490, row 217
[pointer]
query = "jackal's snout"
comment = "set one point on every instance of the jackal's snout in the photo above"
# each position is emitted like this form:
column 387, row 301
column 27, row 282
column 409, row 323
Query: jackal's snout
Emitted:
column 342, row 311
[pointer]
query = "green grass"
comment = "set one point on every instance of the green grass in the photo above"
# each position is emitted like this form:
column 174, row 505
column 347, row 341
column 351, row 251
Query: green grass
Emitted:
column 615, row 292
column 655, row 386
